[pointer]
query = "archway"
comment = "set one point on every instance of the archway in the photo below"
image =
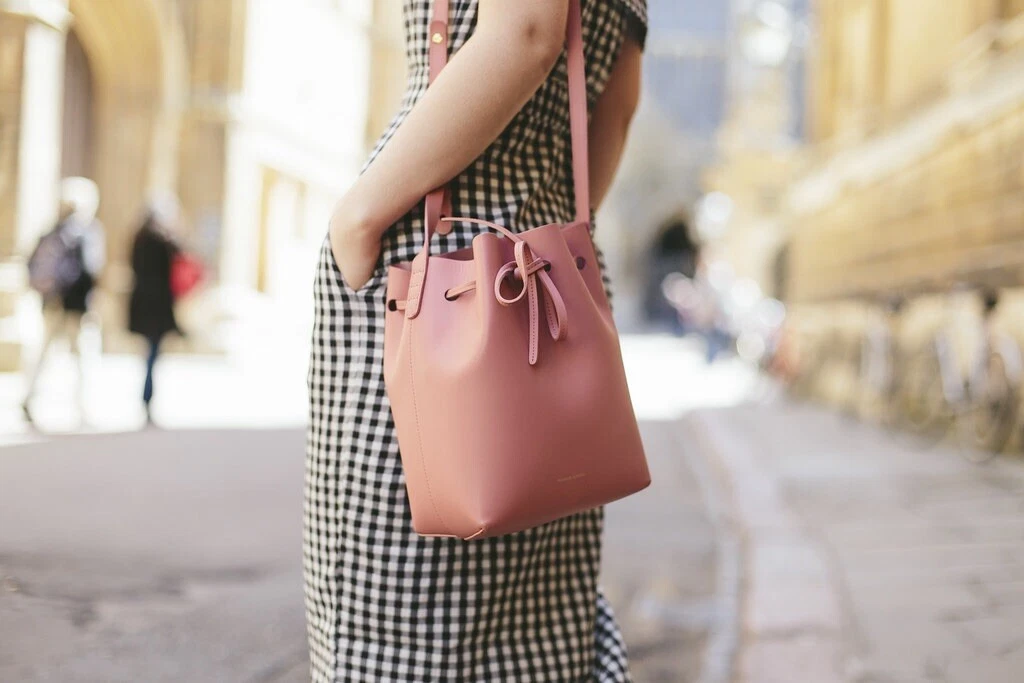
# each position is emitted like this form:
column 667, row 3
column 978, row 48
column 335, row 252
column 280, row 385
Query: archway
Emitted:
column 134, row 75
column 137, row 73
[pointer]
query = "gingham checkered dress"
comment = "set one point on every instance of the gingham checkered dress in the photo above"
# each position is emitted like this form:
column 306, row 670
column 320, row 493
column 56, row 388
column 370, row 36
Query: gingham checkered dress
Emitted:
column 384, row 604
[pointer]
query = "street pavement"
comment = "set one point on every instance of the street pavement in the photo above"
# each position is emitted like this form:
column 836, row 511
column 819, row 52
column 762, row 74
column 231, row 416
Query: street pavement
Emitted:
column 173, row 554
column 660, row 566
column 779, row 543
column 868, row 558
column 152, row 556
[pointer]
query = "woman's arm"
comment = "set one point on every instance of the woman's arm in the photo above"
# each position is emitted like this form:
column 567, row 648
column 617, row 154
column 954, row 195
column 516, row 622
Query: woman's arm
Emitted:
column 609, row 123
column 486, row 83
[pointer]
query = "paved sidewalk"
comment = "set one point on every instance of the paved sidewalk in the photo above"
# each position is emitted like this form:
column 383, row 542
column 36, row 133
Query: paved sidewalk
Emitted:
column 174, row 554
column 152, row 556
column 660, row 566
column 867, row 558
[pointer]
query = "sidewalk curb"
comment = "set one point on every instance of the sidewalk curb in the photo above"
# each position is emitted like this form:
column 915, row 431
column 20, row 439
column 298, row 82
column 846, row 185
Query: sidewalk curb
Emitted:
column 721, row 650
column 786, row 603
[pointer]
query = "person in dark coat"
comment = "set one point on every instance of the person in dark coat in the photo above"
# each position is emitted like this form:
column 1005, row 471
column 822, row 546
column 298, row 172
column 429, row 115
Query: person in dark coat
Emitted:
column 151, row 307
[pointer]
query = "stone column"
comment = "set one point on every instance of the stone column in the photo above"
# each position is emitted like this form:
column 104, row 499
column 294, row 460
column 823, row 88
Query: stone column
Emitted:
column 32, row 36
column 217, row 44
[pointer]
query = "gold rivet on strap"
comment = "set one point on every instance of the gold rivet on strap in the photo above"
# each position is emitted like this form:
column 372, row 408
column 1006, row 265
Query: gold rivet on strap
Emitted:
column 437, row 38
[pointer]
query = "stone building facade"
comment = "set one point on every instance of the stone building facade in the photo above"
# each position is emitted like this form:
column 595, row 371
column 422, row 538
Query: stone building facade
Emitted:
column 256, row 113
column 911, row 180
column 916, row 182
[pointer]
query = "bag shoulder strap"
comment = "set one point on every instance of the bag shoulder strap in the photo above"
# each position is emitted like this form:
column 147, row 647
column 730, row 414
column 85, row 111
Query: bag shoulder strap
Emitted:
column 436, row 200
column 438, row 56
column 438, row 59
column 578, row 121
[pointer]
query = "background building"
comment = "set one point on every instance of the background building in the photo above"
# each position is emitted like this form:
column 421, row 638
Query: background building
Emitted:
column 909, row 175
column 844, row 155
column 764, row 130
column 672, row 140
column 915, row 181
column 216, row 100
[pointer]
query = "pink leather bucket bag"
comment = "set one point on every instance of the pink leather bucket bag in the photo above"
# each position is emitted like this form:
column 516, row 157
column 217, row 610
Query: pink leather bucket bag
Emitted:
column 503, row 367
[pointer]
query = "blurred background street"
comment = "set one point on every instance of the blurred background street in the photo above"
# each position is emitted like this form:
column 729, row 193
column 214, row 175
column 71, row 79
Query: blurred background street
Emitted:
column 816, row 241
column 777, row 537
column 152, row 544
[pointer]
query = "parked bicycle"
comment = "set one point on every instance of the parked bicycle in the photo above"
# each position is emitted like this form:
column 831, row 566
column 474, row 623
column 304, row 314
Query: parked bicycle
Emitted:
column 879, row 359
column 926, row 390
column 981, row 404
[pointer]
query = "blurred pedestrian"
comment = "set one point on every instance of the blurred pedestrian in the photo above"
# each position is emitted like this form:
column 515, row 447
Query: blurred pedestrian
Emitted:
column 64, row 268
column 673, row 252
column 151, row 307
column 383, row 603
column 710, row 315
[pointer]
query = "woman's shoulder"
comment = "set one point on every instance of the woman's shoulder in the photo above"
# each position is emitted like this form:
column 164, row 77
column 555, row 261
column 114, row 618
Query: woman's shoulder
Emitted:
column 633, row 13
column 636, row 18
column 638, row 8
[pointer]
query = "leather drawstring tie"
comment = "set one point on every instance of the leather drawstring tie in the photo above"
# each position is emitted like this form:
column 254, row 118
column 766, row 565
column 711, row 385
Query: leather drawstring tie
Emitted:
column 529, row 270
column 526, row 268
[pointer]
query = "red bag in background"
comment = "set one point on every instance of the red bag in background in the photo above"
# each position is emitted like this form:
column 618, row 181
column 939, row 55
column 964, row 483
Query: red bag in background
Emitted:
column 187, row 272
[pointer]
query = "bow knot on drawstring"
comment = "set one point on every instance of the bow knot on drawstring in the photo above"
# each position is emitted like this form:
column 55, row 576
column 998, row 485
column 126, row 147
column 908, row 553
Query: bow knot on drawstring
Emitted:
column 525, row 268
column 529, row 269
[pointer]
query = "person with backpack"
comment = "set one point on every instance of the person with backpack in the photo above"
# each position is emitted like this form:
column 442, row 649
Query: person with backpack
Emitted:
column 64, row 269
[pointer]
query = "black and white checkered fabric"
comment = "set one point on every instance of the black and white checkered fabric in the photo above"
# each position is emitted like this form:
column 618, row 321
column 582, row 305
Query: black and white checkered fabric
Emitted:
column 384, row 604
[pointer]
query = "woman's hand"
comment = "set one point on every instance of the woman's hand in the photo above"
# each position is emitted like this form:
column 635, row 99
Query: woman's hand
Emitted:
column 355, row 245
column 470, row 103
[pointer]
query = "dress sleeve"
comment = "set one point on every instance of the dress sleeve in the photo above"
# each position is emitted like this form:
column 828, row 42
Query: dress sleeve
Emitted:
column 636, row 19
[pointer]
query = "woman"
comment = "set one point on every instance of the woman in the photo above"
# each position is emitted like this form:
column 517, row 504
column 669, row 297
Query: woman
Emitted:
column 384, row 604
column 151, row 308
